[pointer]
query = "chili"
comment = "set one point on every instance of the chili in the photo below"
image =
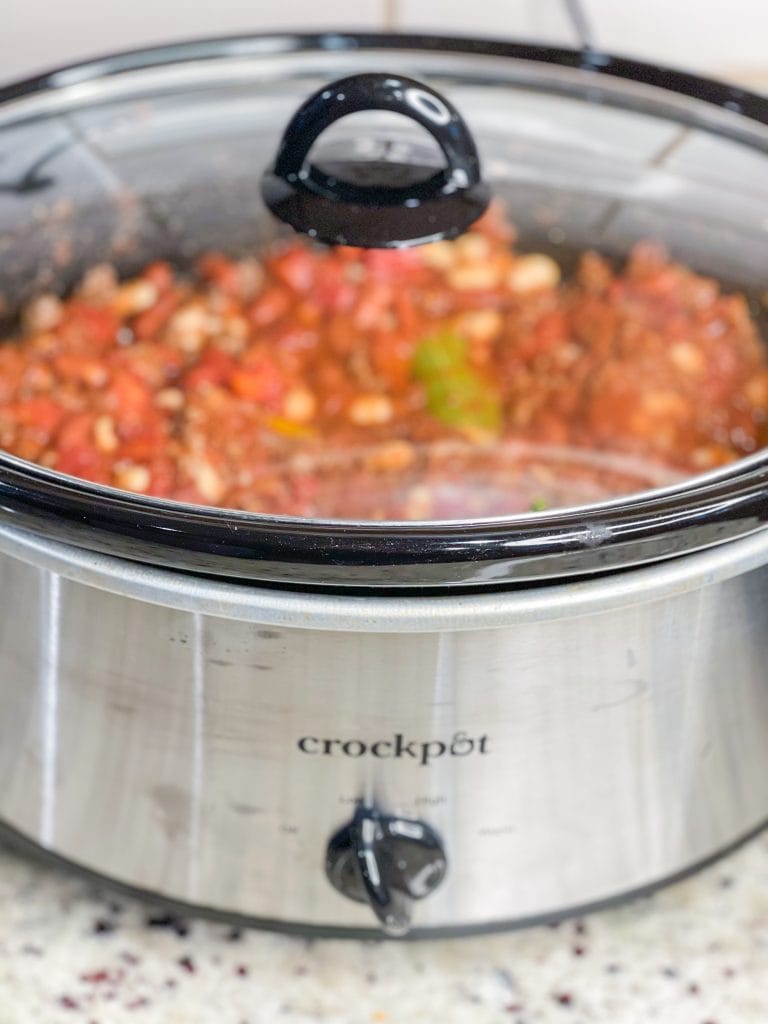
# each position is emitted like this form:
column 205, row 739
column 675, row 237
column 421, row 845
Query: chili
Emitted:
column 458, row 378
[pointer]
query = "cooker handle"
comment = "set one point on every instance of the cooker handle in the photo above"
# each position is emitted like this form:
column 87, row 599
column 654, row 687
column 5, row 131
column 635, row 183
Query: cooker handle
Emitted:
column 377, row 203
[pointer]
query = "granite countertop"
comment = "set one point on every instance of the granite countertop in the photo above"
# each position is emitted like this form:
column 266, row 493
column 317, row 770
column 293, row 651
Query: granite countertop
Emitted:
column 695, row 953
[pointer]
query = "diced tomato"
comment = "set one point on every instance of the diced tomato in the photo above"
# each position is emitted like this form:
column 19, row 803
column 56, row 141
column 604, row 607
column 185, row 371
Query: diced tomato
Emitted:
column 130, row 400
column 305, row 488
column 308, row 313
column 273, row 303
column 159, row 274
column 12, row 365
column 334, row 292
column 156, row 363
column 163, row 477
column 213, row 367
column 143, row 445
column 295, row 268
column 41, row 413
column 87, row 463
column 77, row 453
column 342, row 336
column 261, row 382
column 220, row 271
column 373, row 302
column 550, row 428
column 393, row 264
column 406, row 314
column 152, row 320
column 77, row 431
column 391, row 357
column 90, row 327
column 81, row 368
column 550, row 331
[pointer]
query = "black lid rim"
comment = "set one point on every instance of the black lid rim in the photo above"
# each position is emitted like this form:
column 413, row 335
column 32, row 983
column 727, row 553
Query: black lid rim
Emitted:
column 646, row 527
column 701, row 87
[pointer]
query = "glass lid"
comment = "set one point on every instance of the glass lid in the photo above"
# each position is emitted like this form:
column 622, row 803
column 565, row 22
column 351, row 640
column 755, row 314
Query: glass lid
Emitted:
column 534, row 347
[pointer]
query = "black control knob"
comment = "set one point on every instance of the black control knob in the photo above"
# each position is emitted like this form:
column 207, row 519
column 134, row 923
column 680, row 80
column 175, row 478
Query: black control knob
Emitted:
column 386, row 862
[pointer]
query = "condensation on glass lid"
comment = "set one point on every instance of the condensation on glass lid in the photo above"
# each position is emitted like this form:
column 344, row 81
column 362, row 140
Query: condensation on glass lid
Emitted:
column 453, row 480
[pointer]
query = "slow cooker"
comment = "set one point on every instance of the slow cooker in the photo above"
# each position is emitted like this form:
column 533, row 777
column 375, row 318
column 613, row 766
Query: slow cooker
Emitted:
column 338, row 726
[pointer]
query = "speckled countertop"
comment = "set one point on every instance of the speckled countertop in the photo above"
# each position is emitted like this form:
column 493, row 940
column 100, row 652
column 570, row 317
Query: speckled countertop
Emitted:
column 695, row 953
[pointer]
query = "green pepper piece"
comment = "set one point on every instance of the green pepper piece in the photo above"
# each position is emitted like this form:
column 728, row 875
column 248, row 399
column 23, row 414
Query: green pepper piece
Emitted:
column 456, row 393
column 440, row 353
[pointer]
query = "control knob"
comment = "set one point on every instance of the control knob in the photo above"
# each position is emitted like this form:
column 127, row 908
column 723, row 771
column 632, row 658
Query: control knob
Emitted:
column 387, row 862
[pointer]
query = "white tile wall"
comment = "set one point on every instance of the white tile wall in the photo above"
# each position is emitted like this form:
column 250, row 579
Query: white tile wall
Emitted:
column 41, row 34
column 720, row 36
column 708, row 35
column 542, row 20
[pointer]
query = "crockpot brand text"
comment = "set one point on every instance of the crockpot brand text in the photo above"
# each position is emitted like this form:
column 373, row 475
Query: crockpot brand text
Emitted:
column 460, row 745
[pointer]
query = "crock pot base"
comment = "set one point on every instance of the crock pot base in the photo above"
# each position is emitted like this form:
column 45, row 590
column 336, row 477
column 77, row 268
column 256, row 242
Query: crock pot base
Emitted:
column 20, row 844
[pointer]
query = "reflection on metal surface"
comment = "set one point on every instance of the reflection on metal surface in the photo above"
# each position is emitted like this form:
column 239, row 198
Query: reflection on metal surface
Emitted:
column 198, row 755
column 48, row 675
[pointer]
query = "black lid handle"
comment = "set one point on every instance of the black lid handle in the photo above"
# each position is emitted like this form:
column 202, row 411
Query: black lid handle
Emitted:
column 377, row 203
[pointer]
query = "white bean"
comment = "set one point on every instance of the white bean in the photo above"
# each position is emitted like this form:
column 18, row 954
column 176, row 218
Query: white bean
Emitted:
column 134, row 297
column 133, row 478
column 533, row 273
column 370, row 410
column 300, row 405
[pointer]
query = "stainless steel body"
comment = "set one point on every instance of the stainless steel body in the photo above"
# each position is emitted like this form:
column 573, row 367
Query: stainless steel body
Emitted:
column 204, row 740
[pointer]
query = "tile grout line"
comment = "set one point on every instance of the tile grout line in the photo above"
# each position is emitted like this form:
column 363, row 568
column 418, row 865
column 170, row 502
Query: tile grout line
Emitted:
column 390, row 15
